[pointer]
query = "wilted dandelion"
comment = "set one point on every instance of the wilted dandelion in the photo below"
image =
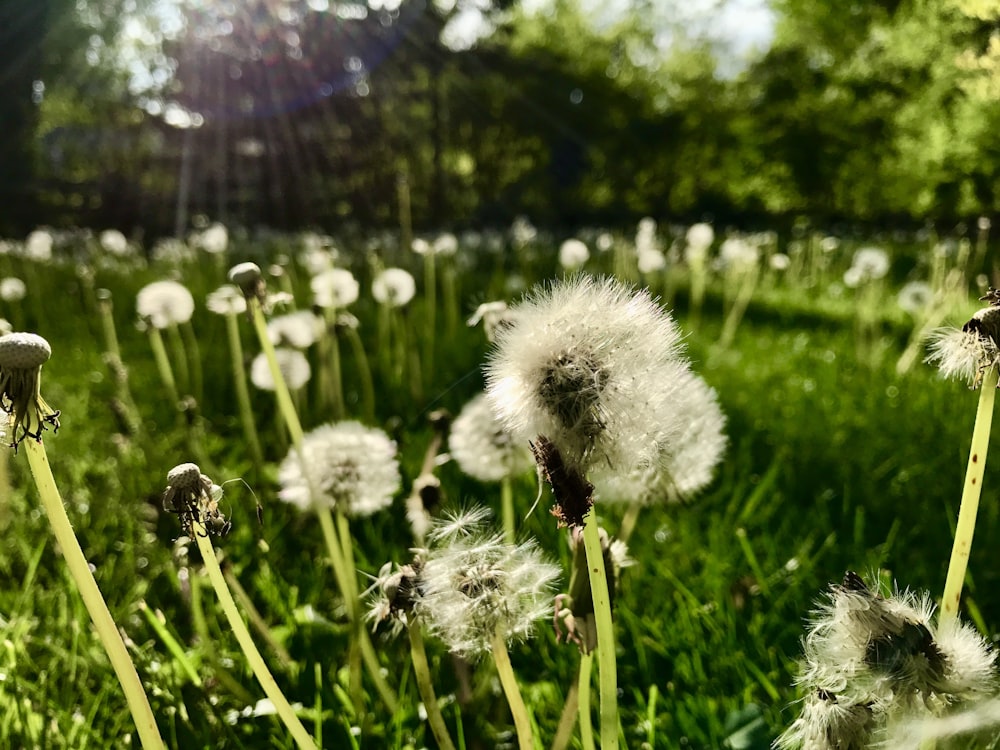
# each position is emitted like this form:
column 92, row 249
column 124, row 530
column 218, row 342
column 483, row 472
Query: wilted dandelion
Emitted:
column 292, row 363
column 21, row 358
column 335, row 288
column 967, row 354
column 872, row 660
column 164, row 303
column 394, row 287
column 12, row 289
column 351, row 467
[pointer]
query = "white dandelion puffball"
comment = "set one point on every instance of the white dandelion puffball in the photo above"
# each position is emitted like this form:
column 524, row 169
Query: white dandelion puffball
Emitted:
column 292, row 364
column 445, row 244
column 334, row 288
column 688, row 461
column 473, row 585
column 299, row 329
column 967, row 353
column 482, row 447
column 214, row 240
column 573, row 253
column 651, row 261
column 350, row 466
column 915, row 297
column 12, row 289
column 779, row 262
column 164, row 303
column 738, row 254
column 871, row 264
column 394, row 287
column 114, row 242
column 700, row 235
column 226, row 300
column 38, row 246
column 593, row 366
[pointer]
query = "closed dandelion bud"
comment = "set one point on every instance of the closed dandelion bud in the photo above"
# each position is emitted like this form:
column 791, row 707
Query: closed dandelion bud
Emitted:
column 195, row 499
column 21, row 358
column 348, row 466
column 250, row 280
column 968, row 353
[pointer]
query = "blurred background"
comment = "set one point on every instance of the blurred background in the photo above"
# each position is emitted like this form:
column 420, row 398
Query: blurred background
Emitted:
column 144, row 114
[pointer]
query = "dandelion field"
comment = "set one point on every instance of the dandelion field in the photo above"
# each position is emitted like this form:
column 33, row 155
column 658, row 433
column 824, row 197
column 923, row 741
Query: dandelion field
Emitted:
column 836, row 460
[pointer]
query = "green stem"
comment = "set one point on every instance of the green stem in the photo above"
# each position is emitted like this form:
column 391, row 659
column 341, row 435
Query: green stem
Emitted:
column 180, row 359
column 569, row 717
column 336, row 376
column 107, row 631
column 425, row 686
column 507, row 509
column 239, row 628
column 586, row 730
column 242, row 392
column 607, row 668
column 970, row 497
column 522, row 722
column 364, row 375
column 193, row 351
column 163, row 363
column 629, row 520
column 285, row 405
column 258, row 622
column 430, row 302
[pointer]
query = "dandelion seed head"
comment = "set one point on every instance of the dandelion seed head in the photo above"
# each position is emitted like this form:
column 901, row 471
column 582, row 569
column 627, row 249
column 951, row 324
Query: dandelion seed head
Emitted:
column 700, row 235
column 299, row 329
column 492, row 315
column 869, row 264
column 12, row 289
column 394, row 287
column 738, row 254
column 348, row 466
column 226, row 300
column 592, row 366
column 966, row 354
column 334, row 288
column 474, row 585
column 779, row 262
column 481, row 446
column 915, row 297
column 573, row 253
column 292, row 364
column 164, row 303
column 114, row 242
column 38, row 246
column 214, row 239
column 828, row 723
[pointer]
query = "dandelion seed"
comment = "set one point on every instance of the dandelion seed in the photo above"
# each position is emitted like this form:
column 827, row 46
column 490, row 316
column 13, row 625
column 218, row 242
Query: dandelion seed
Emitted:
column 966, row 354
column 492, row 315
column 351, row 467
column 21, row 358
column 292, row 363
column 336, row 288
column 481, row 446
column 394, row 287
column 164, row 303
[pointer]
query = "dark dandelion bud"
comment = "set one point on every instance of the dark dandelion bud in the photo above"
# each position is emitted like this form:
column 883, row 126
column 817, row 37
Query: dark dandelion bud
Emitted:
column 250, row 280
column 21, row 358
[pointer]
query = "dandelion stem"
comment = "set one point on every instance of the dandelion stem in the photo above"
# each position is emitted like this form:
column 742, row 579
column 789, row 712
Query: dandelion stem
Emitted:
column 337, row 376
column 253, row 656
column 629, row 520
column 107, row 631
column 364, row 374
column 607, row 668
column 430, row 302
column 522, row 722
column 507, row 508
column 425, row 686
column 285, row 404
column 242, row 392
column 569, row 717
column 970, row 497
column 586, row 730
column 256, row 619
column 163, row 363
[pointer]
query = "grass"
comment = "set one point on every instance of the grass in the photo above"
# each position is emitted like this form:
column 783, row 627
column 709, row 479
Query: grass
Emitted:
column 835, row 463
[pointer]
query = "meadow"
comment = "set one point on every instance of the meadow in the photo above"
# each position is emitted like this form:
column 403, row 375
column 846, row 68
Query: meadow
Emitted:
column 838, row 458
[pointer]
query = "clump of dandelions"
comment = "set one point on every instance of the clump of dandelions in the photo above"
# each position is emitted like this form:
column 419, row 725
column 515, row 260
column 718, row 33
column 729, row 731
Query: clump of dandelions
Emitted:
column 351, row 467
column 21, row 358
column 875, row 659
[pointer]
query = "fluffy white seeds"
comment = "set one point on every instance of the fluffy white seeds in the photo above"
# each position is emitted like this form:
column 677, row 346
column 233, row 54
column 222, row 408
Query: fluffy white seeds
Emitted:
column 292, row 363
column 299, row 329
column 482, row 447
column 573, row 254
column 12, row 289
column 967, row 353
column 336, row 288
column 394, row 287
column 596, row 368
column 226, row 300
column 164, row 303
column 348, row 466
column 474, row 585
